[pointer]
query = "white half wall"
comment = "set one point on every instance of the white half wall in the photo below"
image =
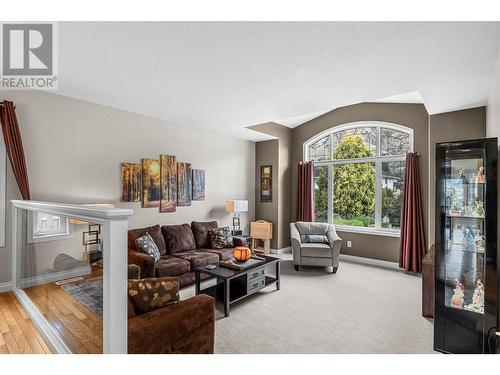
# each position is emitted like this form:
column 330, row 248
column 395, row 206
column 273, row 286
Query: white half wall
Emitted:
column 74, row 149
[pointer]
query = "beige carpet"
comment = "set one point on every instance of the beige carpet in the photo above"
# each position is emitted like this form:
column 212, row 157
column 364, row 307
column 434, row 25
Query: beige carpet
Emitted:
column 360, row 309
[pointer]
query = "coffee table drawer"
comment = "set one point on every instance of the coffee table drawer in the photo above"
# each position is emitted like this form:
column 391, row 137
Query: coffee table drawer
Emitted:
column 255, row 274
column 256, row 283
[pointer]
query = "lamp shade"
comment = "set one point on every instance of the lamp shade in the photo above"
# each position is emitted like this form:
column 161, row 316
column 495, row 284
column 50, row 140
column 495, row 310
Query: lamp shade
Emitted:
column 236, row 205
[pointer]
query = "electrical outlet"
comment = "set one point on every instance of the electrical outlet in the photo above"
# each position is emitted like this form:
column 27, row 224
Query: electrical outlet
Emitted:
column 349, row 244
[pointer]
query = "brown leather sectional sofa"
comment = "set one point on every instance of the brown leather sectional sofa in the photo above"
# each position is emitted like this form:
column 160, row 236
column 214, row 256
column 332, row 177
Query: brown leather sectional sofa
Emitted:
column 182, row 247
column 185, row 327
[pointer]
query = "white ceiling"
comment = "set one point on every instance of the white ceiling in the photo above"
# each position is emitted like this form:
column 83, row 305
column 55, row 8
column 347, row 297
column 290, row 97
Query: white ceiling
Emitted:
column 225, row 76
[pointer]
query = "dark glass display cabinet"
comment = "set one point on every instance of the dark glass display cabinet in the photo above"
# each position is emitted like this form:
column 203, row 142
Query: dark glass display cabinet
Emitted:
column 466, row 247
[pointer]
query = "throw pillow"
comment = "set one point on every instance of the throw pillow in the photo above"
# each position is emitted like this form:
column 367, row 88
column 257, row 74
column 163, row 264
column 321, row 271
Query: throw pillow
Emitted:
column 146, row 245
column 315, row 238
column 153, row 293
column 221, row 238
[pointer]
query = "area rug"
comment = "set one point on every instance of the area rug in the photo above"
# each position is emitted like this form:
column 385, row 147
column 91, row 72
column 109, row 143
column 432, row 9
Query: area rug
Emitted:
column 88, row 293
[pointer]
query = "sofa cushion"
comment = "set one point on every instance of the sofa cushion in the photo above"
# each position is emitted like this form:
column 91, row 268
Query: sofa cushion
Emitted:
column 200, row 232
column 221, row 238
column 178, row 238
column 316, row 250
column 154, row 232
column 152, row 293
column 170, row 265
column 198, row 258
column 145, row 244
column 223, row 254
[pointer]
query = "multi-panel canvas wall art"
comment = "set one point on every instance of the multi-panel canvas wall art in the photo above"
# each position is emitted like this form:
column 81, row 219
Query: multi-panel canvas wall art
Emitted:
column 150, row 183
column 163, row 183
column 198, row 184
column 131, row 178
column 184, row 181
column 168, row 176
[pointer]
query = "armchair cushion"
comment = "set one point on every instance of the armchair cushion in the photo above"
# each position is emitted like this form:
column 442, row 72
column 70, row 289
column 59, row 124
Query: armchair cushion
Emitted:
column 314, row 238
column 153, row 231
column 200, row 232
column 178, row 238
column 316, row 250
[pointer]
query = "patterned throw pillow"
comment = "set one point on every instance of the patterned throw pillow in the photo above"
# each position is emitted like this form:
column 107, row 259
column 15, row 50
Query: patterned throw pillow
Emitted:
column 153, row 293
column 315, row 238
column 221, row 238
column 145, row 244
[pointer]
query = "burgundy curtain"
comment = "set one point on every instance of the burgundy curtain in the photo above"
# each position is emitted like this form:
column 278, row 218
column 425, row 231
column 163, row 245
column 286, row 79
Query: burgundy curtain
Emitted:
column 412, row 242
column 305, row 192
column 14, row 146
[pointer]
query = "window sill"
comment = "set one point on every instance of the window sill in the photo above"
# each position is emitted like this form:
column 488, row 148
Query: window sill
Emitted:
column 372, row 231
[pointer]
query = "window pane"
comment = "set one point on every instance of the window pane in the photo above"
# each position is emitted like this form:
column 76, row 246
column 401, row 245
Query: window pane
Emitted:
column 320, row 150
column 321, row 194
column 355, row 143
column 394, row 142
column 354, row 194
column 393, row 174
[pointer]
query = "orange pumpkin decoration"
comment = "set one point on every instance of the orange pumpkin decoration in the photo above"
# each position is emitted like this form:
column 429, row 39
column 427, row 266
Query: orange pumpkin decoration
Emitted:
column 242, row 253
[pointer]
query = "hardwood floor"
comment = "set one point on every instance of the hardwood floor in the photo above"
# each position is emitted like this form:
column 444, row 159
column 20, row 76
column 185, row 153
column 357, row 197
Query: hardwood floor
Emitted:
column 80, row 328
column 18, row 335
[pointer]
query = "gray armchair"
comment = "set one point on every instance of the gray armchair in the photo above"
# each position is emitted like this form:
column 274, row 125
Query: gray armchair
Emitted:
column 313, row 253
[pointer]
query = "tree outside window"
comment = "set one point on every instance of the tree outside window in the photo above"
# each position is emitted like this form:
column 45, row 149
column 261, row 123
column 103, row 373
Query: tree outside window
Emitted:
column 363, row 183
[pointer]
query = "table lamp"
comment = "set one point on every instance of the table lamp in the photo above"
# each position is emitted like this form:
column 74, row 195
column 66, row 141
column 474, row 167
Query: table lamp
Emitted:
column 236, row 206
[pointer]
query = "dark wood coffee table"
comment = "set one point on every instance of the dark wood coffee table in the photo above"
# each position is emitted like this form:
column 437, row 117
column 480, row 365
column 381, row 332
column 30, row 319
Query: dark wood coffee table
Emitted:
column 234, row 285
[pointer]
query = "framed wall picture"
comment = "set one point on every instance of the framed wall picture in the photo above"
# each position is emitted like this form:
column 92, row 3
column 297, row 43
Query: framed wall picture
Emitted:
column 131, row 181
column 198, row 184
column 184, row 184
column 168, row 177
column 266, row 183
column 150, row 183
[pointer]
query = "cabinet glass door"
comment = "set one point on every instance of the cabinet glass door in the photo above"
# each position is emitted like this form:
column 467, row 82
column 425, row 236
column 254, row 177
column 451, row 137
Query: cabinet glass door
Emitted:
column 464, row 232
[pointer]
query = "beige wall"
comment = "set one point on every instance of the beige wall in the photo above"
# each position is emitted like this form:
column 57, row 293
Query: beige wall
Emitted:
column 414, row 116
column 283, row 181
column 447, row 127
column 267, row 153
column 74, row 150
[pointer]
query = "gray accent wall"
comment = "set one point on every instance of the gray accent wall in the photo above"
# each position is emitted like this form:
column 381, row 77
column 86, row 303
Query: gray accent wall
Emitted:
column 282, row 179
column 414, row 116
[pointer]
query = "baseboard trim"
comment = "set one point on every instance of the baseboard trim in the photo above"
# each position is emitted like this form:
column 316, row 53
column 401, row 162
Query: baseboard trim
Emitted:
column 284, row 250
column 371, row 262
column 56, row 276
column 5, row 287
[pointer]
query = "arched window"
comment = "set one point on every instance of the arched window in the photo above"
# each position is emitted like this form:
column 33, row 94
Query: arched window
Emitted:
column 359, row 175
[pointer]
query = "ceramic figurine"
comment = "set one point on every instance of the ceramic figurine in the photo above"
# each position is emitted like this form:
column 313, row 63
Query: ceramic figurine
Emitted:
column 469, row 238
column 477, row 304
column 456, row 205
column 462, row 175
column 479, row 242
column 479, row 208
column 457, row 300
column 480, row 177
